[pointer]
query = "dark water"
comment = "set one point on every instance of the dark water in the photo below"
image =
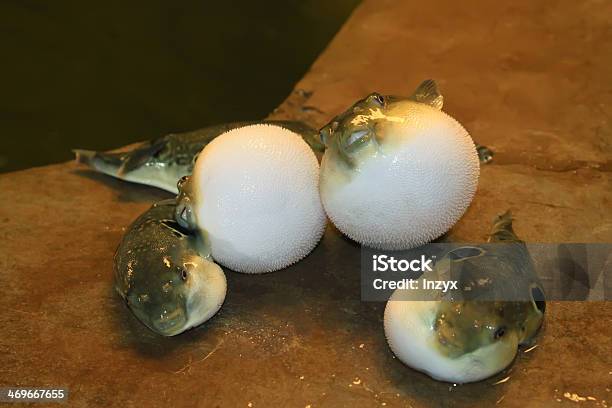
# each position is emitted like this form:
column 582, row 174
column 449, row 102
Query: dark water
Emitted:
column 102, row 74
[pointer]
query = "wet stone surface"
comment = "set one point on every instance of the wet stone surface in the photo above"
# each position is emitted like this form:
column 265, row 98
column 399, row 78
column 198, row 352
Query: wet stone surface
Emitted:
column 527, row 80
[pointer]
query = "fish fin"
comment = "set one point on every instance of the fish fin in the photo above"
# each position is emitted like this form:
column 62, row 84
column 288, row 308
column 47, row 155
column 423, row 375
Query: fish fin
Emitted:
column 89, row 156
column 539, row 297
column 502, row 229
column 505, row 218
column 485, row 155
column 107, row 163
column 428, row 94
column 141, row 155
column 83, row 156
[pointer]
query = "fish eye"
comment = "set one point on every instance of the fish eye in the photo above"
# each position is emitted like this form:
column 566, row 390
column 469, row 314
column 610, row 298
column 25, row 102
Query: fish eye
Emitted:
column 499, row 333
column 182, row 182
column 379, row 99
column 184, row 275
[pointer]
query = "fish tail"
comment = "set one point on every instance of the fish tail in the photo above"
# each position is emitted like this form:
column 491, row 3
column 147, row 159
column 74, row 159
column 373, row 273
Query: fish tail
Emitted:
column 107, row 163
column 502, row 228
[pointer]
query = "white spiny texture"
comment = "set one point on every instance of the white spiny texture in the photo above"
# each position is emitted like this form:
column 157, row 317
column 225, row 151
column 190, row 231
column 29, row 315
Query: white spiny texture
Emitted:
column 256, row 198
column 409, row 329
column 411, row 192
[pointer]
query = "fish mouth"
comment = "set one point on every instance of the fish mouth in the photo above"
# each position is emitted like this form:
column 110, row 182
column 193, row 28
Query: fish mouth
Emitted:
column 168, row 328
column 167, row 324
column 354, row 139
column 184, row 213
column 170, row 324
column 348, row 142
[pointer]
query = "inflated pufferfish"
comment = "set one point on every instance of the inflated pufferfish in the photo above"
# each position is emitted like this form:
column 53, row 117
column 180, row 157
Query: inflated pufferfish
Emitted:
column 397, row 172
column 254, row 196
column 163, row 161
column 165, row 274
column 474, row 332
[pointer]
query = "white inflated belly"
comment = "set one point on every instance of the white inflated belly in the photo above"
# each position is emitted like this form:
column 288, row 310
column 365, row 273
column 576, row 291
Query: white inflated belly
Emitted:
column 256, row 191
column 411, row 192
column 408, row 328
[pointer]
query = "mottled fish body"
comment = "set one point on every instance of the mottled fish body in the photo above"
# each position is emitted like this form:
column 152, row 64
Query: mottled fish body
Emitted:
column 163, row 161
column 165, row 274
column 474, row 332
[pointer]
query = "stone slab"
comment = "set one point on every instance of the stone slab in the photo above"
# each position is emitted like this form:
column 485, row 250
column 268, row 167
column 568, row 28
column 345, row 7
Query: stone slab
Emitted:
column 529, row 79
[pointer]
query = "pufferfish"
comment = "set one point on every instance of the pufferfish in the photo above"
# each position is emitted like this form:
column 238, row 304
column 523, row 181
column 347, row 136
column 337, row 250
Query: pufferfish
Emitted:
column 473, row 332
column 397, row 171
column 165, row 274
column 161, row 162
